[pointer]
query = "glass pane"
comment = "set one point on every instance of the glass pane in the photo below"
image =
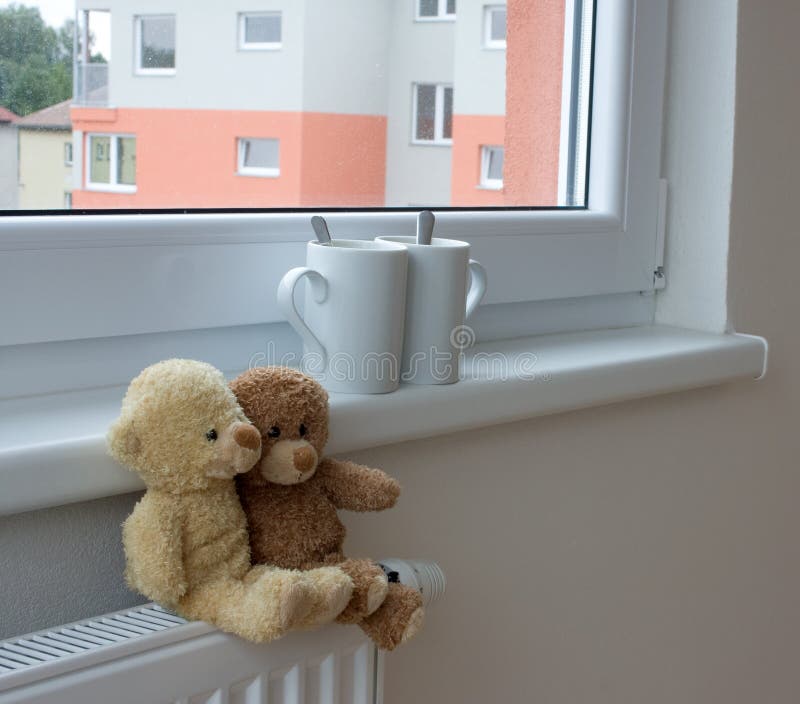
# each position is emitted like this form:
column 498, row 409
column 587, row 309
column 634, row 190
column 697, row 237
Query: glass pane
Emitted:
column 100, row 159
column 447, row 128
column 261, row 153
column 158, row 42
column 428, row 8
column 126, row 160
column 359, row 123
column 498, row 30
column 426, row 112
column 495, row 170
column 262, row 29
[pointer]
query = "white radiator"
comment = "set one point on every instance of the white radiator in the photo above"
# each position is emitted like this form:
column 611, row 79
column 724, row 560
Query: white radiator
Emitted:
column 147, row 655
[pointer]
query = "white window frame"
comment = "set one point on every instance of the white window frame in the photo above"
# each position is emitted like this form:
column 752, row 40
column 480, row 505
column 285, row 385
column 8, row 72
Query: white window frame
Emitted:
column 258, row 46
column 156, row 267
column 260, row 171
column 140, row 70
column 488, row 42
column 112, row 186
column 438, row 118
column 441, row 15
column 492, row 184
column 68, row 155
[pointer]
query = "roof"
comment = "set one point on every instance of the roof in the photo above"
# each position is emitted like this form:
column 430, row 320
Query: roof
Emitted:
column 7, row 115
column 54, row 117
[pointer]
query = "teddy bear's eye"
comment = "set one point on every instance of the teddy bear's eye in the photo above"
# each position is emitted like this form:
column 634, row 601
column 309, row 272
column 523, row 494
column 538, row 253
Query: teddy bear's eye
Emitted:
column 274, row 431
column 303, row 429
column 211, row 435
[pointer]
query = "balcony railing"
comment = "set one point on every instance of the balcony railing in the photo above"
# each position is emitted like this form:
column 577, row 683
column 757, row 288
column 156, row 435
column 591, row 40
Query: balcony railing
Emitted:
column 91, row 84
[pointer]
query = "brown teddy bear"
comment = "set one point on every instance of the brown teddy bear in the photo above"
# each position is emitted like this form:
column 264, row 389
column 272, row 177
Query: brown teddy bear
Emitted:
column 186, row 541
column 291, row 496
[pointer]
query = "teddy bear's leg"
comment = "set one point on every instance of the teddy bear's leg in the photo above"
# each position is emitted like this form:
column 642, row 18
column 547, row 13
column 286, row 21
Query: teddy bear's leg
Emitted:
column 269, row 601
column 397, row 620
column 259, row 609
column 370, row 587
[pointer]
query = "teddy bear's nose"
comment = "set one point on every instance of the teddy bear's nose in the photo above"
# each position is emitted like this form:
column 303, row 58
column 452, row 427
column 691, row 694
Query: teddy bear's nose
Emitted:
column 304, row 458
column 246, row 436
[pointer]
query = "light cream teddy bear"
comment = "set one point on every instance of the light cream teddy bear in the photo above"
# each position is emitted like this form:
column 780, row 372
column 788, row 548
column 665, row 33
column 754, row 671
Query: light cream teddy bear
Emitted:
column 186, row 541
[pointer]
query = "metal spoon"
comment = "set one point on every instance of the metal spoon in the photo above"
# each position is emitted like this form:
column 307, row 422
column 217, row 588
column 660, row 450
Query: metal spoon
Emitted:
column 425, row 223
column 321, row 229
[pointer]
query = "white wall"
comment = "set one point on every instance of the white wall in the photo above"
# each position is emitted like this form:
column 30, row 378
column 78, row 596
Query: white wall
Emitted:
column 419, row 52
column 643, row 552
column 480, row 73
column 211, row 72
column 346, row 56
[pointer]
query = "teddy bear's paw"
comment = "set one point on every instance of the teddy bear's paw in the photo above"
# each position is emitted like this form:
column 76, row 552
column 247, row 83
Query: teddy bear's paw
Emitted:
column 414, row 625
column 295, row 605
column 331, row 590
column 376, row 593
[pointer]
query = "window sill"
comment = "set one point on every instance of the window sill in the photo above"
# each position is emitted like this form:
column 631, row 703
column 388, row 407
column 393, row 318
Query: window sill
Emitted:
column 106, row 188
column 52, row 449
column 431, row 142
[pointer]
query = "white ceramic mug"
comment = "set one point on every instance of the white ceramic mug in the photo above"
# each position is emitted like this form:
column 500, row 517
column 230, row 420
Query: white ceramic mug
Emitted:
column 437, row 305
column 352, row 326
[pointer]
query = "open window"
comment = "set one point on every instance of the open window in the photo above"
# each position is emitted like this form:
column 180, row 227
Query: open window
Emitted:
column 259, row 157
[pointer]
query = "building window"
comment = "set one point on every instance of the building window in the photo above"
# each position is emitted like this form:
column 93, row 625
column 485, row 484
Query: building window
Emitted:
column 260, row 30
column 433, row 114
column 111, row 161
column 436, row 10
column 259, row 157
column 494, row 26
column 492, row 167
column 67, row 200
column 67, row 153
column 155, row 44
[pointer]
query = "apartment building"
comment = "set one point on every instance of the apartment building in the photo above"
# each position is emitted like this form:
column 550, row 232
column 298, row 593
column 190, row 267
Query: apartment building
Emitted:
column 302, row 103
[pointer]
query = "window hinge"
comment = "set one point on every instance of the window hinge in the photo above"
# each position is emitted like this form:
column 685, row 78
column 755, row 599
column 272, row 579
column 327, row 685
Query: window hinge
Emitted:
column 659, row 277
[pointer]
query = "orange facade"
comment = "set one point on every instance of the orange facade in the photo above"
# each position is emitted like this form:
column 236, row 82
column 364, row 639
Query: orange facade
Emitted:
column 534, row 73
column 189, row 158
column 470, row 134
column 530, row 130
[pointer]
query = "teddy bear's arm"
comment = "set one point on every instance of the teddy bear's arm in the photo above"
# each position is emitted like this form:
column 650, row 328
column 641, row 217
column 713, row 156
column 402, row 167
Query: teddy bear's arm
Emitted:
column 357, row 488
column 153, row 548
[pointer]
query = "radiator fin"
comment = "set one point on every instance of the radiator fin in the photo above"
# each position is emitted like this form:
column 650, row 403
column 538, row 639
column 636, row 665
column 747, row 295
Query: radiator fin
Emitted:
column 248, row 691
column 76, row 638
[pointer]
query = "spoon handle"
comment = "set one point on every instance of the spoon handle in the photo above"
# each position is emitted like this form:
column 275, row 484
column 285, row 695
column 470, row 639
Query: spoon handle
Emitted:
column 321, row 229
column 425, row 222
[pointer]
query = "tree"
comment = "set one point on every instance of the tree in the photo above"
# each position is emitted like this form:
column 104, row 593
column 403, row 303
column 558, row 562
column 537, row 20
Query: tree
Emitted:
column 35, row 60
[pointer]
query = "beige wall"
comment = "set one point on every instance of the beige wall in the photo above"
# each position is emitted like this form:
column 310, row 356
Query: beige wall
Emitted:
column 43, row 176
column 646, row 552
column 8, row 167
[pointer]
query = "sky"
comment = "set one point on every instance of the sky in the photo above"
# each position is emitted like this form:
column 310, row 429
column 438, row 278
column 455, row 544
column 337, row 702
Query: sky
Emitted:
column 55, row 12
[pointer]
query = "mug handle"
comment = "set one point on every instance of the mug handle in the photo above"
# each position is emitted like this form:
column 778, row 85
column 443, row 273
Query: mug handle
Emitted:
column 477, row 286
column 319, row 289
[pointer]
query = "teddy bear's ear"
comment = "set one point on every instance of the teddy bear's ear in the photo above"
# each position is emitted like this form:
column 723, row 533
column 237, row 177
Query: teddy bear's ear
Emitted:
column 123, row 442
